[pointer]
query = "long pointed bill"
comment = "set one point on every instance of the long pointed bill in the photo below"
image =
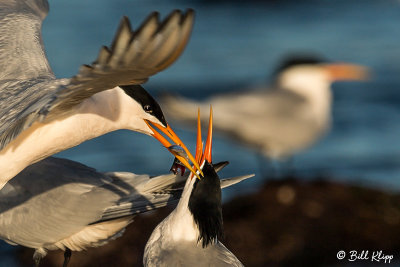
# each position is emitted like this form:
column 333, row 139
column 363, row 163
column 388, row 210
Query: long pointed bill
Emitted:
column 345, row 71
column 172, row 135
column 199, row 143
column 208, row 149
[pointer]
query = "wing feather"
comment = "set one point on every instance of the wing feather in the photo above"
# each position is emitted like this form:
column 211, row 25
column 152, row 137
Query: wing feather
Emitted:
column 62, row 198
column 133, row 57
column 21, row 47
column 112, row 67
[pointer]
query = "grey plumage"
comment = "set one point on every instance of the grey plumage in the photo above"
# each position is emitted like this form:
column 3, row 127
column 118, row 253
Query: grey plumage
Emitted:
column 273, row 122
column 29, row 91
column 279, row 120
column 215, row 255
column 59, row 204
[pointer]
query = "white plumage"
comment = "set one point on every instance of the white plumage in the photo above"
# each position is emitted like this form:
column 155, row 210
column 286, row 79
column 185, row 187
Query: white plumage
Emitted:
column 41, row 115
column 279, row 121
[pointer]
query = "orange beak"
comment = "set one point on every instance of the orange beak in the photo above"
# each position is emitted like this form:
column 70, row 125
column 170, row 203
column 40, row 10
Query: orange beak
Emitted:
column 199, row 142
column 207, row 150
column 345, row 71
column 200, row 156
column 177, row 141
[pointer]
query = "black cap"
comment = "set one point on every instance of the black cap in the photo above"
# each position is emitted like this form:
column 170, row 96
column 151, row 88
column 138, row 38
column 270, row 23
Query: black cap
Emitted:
column 149, row 104
column 298, row 59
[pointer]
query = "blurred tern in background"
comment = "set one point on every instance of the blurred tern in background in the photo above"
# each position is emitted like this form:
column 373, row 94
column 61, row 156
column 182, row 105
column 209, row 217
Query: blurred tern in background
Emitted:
column 41, row 115
column 190, row 235
column 279, row 121
column 61, row 204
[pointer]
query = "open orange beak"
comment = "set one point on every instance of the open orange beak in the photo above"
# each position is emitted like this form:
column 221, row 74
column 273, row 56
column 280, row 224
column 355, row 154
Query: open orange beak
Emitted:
column 207, row 155
column 345, row 71
column 177, row 141
column 208, row 148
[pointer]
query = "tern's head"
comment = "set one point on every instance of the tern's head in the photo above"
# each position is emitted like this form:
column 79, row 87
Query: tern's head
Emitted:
column 205, row 206
column 301, row 74
column 144, row 107
column 146, row 116
column 205, row 198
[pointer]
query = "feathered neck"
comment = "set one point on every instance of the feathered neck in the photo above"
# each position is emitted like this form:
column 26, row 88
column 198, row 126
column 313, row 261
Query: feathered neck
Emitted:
column 198, row 215
column 205, row 206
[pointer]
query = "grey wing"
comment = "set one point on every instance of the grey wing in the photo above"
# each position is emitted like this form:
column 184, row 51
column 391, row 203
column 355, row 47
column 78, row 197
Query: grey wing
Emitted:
column 265, row 119
column 22, row 56
column 149, row 194
column 23, row 62
column 132, row 58
column 138, row 204
column 51, row 200
column 269, row 105
column 234, row 107
column 153, row 193
column 239, row 114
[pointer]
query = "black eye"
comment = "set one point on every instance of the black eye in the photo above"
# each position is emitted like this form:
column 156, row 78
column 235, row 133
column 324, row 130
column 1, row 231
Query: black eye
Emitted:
column 147, row 108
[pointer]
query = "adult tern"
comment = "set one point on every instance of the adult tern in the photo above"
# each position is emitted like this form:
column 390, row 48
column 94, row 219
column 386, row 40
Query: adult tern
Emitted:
column 282, row 120
column 190, row 235
column 41, row 115
column 61, row 204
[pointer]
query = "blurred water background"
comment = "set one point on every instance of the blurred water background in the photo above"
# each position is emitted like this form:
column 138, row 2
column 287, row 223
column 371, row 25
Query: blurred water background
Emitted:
column 237, row 44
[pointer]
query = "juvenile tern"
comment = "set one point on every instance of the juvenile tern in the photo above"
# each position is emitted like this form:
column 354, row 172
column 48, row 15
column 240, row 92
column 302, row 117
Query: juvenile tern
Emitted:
column 279, row 121
column 41, row 115
column 190, row 235
column 61, row 204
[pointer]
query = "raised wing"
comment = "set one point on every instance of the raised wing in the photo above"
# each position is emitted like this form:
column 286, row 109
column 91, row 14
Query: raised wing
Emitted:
column 22, row 56
column 132, row 58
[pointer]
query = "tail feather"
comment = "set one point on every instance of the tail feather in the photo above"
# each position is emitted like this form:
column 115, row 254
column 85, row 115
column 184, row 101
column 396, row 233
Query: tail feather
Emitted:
column 231, row 181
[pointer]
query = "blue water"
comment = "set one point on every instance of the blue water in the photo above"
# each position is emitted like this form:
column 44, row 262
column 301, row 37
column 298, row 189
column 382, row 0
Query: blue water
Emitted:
column 235, row 45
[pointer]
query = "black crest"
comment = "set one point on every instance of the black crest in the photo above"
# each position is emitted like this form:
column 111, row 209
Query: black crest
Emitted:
column 149, row 104
column 300, row 59
column 205, row 206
